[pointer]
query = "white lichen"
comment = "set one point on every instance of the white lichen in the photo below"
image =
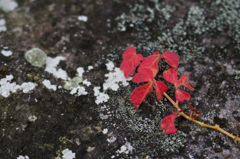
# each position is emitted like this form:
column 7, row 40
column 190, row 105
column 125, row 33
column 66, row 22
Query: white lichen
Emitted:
column 101, row 97
column 110, row 66
column 83, row 18
column 51, row 64
column 32, row 118
column 68, row 154
column 3, row 25
column 105, row 131
column 48, row 84
column 114, row 78
column 6, row 52
column 89, row 149
column 27, row 86
column 22, row 157
column 127, row 148
column 86, row 82
column 6, row 87
column 79, row 90
column 90, row 68
column 80, row 71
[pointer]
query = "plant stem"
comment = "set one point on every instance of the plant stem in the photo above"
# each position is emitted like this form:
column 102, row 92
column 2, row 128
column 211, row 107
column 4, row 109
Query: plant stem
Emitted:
column 216, row 126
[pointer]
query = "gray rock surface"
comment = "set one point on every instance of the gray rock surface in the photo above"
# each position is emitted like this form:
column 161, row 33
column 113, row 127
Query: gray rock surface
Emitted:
column 44, row 115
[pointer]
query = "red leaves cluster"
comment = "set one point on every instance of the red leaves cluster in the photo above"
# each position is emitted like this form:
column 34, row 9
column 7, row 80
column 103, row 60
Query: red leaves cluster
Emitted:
column 147, row 70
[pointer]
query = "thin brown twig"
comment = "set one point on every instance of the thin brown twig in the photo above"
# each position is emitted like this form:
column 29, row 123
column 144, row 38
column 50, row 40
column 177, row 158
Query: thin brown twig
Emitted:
column 216, row 126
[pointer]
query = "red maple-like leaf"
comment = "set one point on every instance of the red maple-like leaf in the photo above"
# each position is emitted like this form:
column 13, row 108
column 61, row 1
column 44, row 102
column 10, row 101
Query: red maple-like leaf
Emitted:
column 183, row 82
column 167, row 124
column 151, row 62
column 145, row 75
column 182, row 95
column 170, row 75
column 171, row 58
column 160, row 88
column 130, row 61
column 140, row 93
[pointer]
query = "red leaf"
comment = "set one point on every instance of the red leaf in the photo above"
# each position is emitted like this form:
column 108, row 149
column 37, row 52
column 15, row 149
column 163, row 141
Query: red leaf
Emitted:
column 167, row 124
column 130, row 60
column 151, row 62
column 183, row 82
column 171, row 58
column 140, row 93
column 182, row 95
column 160, row 88
column 170, row 75
column 145, row 75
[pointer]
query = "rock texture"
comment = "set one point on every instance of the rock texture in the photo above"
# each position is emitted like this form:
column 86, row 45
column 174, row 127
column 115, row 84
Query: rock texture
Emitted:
column 76, row 103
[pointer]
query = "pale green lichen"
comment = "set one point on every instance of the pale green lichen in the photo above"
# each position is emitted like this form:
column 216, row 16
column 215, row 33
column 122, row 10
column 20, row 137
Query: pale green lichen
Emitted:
column 8, row 5
column 138, row 15
column 228, row 18
column 69, row 85
column 36, row 57
column 197, row 20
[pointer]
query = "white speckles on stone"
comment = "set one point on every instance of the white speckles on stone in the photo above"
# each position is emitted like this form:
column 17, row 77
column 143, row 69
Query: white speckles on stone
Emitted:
column 86, row 82
column 2, row 22
column 8, row 5
column 110, row 66
column 79, row 90
column 2, row 25
column 83, row 18
column 6, row 87
column 27, row 87
column 96, row 90
column 89, row 149
column 51, row 64
column 80, row 71
column 101, row 97
column 22, row 157
column 90, row 68
column 231, row 70
column 48, row 84
column 68, row 154
column 111, row 139
column 114, row 78
column 6, row 53
column 105, row 131
column 3, row 28
column 127, row 148
column 32, row 118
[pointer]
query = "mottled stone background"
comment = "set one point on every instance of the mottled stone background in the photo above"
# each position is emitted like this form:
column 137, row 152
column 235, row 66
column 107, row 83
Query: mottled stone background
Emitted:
column 62, row 94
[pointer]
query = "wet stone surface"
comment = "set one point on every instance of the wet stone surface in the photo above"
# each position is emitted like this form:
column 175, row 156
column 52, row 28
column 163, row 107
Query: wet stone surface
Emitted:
column 76, row 103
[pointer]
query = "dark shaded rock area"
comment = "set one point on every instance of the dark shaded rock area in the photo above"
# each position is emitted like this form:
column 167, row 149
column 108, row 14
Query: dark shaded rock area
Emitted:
column 206, row 36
